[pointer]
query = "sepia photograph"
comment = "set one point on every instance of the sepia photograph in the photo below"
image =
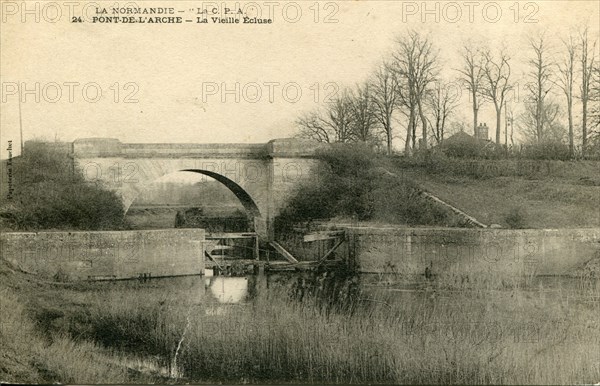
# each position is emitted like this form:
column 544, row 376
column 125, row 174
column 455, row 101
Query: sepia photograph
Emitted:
column 300, row 192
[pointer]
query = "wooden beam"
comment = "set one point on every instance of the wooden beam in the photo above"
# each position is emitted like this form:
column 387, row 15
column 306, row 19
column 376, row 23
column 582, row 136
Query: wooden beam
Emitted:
column 469, row 219
column 213, row 260
column 323, row 235
column 325, row 256
column 256, row 249
column 288, row 256
column 218, row 236
column 221, row 247
column 316, row 237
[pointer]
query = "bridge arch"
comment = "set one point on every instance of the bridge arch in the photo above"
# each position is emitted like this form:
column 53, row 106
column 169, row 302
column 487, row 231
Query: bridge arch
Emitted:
column 128, row 168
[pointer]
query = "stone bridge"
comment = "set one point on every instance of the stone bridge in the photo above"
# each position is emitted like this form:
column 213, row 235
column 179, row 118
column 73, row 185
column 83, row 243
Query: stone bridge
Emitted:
column 262, row 176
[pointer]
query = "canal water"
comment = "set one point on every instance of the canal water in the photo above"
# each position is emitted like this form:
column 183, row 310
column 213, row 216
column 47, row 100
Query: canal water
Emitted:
column 360, row 288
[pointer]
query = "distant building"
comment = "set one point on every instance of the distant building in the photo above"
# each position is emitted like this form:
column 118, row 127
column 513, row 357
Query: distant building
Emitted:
column 460, row 138
column 481, row 136
column 463, row 145
column 482, row 132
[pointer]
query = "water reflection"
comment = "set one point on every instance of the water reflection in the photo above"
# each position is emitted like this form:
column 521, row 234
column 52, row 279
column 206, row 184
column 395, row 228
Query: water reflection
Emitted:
column 331, row 289
column 325, row 288
column 228, row 290
column 347, row 292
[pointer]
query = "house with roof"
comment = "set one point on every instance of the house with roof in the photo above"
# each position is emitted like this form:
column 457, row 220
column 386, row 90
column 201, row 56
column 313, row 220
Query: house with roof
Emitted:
column 464, row 145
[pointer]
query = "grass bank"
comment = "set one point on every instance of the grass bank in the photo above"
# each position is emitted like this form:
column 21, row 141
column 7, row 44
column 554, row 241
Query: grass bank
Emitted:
column 48, row 191
column 540, row 194
column 463, row 334
column 35, row 352
column 354, row 184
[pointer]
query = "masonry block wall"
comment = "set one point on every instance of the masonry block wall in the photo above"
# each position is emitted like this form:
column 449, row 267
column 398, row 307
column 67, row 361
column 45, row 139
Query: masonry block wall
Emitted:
column 512, row 252
column 106, row 255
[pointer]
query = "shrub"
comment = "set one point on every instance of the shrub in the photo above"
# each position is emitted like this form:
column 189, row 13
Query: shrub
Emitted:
column 352, row 182
column 473, row 149
column 463, row 149
column 549, row 150
column 515, row 218
column 50, row 193
column 399, row 201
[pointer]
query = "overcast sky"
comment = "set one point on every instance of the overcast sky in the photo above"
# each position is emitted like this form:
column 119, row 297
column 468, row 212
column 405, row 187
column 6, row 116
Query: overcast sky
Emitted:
column 176, row 72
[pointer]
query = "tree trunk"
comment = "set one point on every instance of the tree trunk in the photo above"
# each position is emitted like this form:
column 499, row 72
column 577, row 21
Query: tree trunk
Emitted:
column 584, row 127
column 413, row 130
column 570, row 115
column 498, row 117
column 409, row 129
column 424, row 122
column 388, row 128
column 540, row 111
column 438, row 128
column 442, row 129
column 475, row 111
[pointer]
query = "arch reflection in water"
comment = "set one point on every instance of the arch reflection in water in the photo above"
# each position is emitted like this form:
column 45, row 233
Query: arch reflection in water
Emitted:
column 228, row 290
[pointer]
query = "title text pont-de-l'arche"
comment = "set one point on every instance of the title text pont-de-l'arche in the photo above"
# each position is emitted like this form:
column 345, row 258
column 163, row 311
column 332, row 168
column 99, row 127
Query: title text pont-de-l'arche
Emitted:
column 161, row 15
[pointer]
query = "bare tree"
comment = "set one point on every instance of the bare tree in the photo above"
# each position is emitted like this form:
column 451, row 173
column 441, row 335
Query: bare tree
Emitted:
column 541, row 83
column 386, row 99
column 594, row 113
column 496, row 83
column 472, row 76
column 363, row 120
column 595, row 98
column 565, row 82
column 332, row 125
column 442, row 102
column 415, row 61
column 312, row 126
column 587, row 59
column 552, row 130
column 407, row 100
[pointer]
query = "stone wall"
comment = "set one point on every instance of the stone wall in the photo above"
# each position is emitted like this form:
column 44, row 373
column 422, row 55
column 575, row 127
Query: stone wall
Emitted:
column 106, row 255
column 410, row 251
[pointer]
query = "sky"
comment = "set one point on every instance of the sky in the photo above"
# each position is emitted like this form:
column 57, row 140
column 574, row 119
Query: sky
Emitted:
column 177, row 82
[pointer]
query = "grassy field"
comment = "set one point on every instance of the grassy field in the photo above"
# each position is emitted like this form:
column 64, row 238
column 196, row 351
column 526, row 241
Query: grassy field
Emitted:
column 548, row 194
column 90, row 332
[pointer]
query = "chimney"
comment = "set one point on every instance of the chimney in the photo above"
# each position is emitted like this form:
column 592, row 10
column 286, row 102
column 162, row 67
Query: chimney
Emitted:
column 482, row 132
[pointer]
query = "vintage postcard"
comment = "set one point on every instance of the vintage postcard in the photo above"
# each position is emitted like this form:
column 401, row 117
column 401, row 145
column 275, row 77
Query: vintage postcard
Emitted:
column 299, row 192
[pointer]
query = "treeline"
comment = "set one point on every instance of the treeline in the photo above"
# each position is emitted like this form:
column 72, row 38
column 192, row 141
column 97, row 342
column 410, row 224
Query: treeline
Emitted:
column 413, row 96
column 51, row 193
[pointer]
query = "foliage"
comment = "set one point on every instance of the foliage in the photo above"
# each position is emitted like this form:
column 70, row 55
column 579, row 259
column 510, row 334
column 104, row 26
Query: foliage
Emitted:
column 462, row 149
column 593, row 147
column 353, row 182
column 547, row 150
column 50, row 193
column 405, row 204
column 515, row 218
column 471, row 148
